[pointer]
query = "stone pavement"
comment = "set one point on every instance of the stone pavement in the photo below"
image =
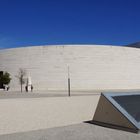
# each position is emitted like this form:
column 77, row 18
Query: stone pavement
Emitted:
column 45, row 93
column 81, row 131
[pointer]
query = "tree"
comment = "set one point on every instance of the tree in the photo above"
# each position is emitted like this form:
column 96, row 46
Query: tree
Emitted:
column 5, row 78
column 21, row 76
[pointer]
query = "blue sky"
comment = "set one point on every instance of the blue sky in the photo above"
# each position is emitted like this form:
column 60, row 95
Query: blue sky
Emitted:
column 45, row 22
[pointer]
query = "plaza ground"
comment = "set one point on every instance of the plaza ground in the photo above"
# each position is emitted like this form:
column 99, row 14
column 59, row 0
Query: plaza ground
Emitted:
column 53, row 116
column 81, row 131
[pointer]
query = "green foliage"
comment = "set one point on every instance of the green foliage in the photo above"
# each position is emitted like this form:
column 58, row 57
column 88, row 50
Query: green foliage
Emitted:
column 5, row 78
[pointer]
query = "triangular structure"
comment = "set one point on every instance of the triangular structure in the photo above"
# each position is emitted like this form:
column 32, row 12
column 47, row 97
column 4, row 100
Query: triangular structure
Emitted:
column 121, row 111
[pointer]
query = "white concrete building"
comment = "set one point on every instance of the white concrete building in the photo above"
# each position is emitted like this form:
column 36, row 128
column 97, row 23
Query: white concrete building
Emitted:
column 92, row 67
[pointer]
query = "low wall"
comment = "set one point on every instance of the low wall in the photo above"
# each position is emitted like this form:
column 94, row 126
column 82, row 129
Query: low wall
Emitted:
column 25, row 114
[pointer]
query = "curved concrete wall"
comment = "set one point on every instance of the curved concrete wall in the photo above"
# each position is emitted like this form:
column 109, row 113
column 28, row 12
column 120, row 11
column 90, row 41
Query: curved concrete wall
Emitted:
column 92, row 67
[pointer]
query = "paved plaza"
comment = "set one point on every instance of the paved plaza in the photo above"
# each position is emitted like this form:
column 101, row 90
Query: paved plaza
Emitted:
column 53, row 116
column 81, row 131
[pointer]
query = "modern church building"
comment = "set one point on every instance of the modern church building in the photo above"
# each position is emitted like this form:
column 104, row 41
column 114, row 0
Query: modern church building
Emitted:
column 90, row 67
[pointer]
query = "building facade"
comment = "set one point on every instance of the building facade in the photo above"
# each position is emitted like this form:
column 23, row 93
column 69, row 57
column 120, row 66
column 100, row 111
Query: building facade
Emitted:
column 91, row 67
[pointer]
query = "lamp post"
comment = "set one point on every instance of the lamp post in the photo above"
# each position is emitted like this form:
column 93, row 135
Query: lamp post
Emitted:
column 68, row 82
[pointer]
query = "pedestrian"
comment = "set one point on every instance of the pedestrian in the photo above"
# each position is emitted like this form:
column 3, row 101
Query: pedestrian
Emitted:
column 32, row 88
column 26, row 88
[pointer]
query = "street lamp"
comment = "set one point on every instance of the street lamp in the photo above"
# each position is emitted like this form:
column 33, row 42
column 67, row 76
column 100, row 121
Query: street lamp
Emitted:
column 68, row 81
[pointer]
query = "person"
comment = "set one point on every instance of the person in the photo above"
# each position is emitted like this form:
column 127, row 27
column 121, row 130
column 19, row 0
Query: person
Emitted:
column 26, row 88
column 6, row 87
column 31, row 88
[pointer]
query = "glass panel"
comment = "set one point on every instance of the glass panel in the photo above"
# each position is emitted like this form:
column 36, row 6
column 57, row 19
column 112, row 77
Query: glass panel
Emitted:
column 131, row 103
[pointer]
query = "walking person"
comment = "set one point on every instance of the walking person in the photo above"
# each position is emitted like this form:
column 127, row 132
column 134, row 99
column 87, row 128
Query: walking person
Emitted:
column 32, row 88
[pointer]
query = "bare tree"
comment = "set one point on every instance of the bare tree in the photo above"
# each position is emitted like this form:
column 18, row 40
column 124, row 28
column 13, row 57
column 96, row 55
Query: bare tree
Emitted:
column 21, row 76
